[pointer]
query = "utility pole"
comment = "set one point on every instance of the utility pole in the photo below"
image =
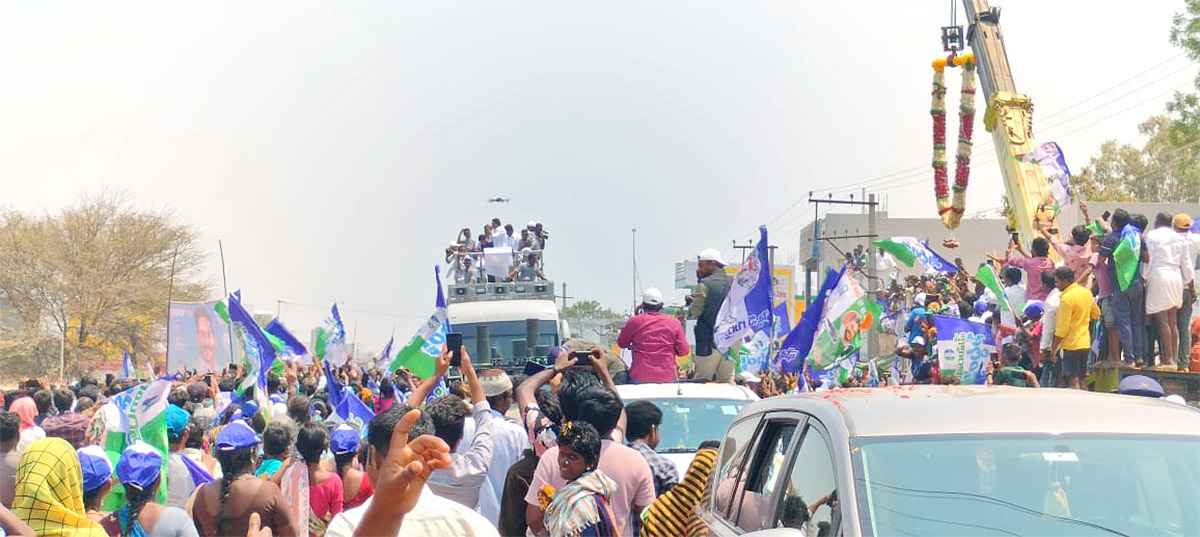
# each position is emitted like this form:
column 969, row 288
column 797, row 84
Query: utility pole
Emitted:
column 564, row 296
column 633, row 257
column 872, row 279
column 750, row 246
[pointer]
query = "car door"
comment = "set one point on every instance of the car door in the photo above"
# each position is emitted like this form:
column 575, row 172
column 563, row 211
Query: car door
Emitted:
column 747, row 484
column 809, row 498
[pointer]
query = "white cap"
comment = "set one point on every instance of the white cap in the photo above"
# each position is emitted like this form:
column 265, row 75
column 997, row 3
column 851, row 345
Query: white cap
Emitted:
column 919, row 340
column 750, row 377
column 919, row 298
column 531, row 224
column 711, row 254
column 652, row 296
column 1176, row 398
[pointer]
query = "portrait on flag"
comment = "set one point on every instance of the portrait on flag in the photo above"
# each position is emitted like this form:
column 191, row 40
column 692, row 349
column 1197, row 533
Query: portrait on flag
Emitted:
column 199, row 338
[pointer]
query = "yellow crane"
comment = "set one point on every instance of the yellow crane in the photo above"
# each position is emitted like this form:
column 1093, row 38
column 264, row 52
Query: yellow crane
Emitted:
column 1008, row 117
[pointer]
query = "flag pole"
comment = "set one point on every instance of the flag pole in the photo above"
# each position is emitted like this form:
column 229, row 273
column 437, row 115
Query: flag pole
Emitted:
column 170, row 294
column 225, row 287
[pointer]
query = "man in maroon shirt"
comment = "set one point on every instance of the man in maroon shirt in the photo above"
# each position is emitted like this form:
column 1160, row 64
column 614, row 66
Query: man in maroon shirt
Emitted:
column 655, row 339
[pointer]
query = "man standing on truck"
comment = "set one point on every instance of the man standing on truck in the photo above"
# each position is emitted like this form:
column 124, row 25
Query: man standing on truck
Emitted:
column 655, row 340
column 705, row 303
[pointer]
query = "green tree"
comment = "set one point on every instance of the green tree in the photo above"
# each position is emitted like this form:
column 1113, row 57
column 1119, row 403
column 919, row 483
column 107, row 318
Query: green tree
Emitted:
column 590, row 320
column 93, row 278
column 1160, row 171
column 1165, row 169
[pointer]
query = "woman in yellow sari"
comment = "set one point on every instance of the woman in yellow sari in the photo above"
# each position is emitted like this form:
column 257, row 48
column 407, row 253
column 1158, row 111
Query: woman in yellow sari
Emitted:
column 50, row 491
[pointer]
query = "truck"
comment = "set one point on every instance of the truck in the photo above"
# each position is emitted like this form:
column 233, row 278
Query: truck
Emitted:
column 507, row 324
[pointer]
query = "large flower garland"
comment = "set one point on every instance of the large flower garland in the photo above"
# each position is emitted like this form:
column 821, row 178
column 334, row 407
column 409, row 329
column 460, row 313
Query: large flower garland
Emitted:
column 951, row 209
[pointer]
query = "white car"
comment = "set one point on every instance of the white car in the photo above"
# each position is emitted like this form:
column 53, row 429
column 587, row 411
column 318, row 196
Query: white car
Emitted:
column 692, row 413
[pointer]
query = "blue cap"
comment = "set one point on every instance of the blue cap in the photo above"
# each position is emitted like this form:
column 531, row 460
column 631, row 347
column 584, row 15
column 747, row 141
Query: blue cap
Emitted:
column 139, row 466
column 236, row 435
column 249, row 409
column 343, row 440
column 177, row 420
column 1140, row 385
column 1034, row 308
column 981, row 306
column 97, row 469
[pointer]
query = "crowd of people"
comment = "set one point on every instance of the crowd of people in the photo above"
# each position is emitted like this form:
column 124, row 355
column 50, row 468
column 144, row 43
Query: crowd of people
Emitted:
column 498, row 254
column 554, row 453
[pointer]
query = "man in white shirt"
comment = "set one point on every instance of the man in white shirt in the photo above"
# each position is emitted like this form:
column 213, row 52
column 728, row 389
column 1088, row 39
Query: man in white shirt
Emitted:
column 509, row 440
column 462, row 481
column 1014, row 292
column 432, row 515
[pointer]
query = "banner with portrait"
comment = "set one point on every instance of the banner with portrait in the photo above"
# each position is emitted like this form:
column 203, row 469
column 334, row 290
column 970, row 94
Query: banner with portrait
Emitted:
column 198, row 339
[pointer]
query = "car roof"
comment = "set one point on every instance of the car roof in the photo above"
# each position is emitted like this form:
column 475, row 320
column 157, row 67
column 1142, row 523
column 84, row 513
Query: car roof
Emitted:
column 938, row 410
column 685, row 390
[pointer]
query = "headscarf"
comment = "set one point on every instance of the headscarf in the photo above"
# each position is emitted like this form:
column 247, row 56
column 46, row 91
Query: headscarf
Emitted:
column 26, row 409
column 49, row 494
column 581, row 504
column 670, row 512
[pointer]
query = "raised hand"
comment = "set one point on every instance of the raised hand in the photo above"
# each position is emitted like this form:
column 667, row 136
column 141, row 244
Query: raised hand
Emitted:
column 402, row 476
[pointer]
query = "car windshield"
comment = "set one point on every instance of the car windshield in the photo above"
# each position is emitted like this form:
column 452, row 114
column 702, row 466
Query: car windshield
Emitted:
column 689, row 421
column 1030, row 485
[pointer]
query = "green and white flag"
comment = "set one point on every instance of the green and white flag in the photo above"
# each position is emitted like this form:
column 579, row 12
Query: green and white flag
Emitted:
column 847, row 312
column 420, row 354
column 138, row 413
column 987, row 276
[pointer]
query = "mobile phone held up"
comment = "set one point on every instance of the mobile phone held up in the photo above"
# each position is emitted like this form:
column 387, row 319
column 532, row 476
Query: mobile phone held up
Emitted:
column 454, row 345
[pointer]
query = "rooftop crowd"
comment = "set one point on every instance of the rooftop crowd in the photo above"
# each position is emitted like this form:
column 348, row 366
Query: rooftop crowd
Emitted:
column 498, row 254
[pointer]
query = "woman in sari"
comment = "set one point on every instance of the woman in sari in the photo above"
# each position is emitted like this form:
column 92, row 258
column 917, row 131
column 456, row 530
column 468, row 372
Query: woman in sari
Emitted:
column 581, row 508
column 50, row 491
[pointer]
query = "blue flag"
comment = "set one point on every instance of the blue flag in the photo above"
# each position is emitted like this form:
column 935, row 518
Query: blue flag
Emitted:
column 127, row 367
column 386, row 354
column 439, row 390
column 332, row 385
column 745, row 315
column 353, row 410
column 259, row 353
column 292, row 347
column 799, row 341
column 783, row 324
column 963, row 348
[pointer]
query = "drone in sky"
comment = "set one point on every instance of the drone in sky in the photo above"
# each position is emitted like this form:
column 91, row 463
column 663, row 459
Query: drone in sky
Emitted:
column 498, row 200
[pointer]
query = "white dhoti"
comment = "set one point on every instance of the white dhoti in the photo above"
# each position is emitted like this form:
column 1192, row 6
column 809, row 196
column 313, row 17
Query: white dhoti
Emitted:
column 1164, row 289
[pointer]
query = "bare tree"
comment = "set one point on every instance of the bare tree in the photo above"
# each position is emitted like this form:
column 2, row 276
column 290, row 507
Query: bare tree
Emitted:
column 95, row 277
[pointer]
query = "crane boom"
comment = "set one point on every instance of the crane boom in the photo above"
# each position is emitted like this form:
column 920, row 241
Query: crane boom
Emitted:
column 1009, row 117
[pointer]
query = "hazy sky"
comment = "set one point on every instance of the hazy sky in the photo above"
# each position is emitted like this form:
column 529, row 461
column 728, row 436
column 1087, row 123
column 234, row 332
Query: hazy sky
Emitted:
column 336, row 147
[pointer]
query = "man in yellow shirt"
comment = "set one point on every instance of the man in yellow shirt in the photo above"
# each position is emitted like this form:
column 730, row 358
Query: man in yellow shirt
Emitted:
column 1076, row 310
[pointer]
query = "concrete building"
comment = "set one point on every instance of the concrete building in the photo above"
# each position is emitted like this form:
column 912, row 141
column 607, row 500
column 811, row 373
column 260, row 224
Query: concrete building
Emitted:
column 975, row 236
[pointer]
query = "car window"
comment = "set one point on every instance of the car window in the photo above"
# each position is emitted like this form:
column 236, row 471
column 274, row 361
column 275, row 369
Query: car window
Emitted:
column 729, row 462
column 809, row 502
column 762, row 475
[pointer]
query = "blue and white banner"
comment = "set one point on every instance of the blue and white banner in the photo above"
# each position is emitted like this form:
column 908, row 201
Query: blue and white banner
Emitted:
column 292, row 349
column 963, row 348
column 796, row 346
column 127, row 367
column 928, row 258
column 1054, row 166
column 352, row 410
column 746, row 316
column 259, row 353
